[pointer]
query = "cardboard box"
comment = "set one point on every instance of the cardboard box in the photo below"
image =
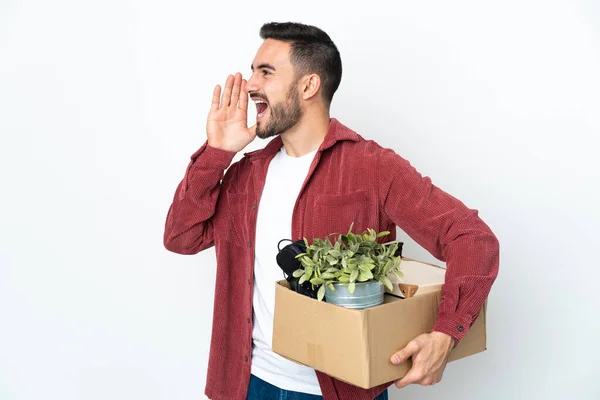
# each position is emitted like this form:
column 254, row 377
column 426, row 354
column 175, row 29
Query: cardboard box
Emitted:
column 355, row 345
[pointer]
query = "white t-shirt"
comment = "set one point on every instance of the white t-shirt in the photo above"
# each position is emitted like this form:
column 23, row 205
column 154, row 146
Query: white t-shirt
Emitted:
column 285, row 177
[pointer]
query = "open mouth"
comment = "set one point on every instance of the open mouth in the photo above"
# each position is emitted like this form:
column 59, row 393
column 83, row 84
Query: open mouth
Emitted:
column 261, row 107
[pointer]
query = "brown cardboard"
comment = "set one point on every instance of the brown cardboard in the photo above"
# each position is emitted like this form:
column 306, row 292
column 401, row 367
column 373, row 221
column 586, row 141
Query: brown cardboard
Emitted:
column 355, row 345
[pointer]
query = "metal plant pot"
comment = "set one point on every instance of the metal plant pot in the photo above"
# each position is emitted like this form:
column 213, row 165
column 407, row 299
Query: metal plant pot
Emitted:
column 366, row 294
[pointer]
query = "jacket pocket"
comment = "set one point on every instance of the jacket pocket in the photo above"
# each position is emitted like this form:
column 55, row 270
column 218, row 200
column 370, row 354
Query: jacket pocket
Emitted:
column 334, row 213
column 233, row 225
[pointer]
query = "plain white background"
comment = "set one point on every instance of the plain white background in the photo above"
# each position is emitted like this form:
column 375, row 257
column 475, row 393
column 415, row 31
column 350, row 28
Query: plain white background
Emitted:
column 102, row 103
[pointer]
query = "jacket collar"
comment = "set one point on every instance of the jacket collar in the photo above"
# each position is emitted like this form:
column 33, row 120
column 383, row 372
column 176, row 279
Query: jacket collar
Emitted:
column 336, row 132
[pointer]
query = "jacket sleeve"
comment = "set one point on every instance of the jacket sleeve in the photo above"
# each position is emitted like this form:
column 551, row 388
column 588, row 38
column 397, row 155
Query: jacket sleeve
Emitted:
column 189, row 227
column 450, row 231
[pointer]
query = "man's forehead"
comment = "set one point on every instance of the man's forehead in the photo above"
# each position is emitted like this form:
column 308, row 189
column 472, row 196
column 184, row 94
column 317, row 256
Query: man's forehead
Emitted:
column 273, row 52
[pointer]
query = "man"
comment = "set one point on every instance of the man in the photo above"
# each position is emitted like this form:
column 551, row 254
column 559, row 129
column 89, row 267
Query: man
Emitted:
column 315, row 177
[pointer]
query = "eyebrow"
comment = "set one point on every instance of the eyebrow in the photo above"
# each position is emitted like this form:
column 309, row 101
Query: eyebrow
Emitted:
column 263, row 65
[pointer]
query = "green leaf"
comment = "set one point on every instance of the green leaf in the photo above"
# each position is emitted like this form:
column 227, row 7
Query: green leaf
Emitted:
column 354, row 275
column 344, row 278
column 309, row 271
column 331, row 286
column 387, row 267
column 362, row 278
column 321, row 293
column 351, row 286
column 382, row 234
column 367, row 266
column 344, row 263
column 302, row 279
column 327, row 275
column 307, row 261
column 368, row 274
column 387, row 282
column 335, row 253
column 332, row 260
column 298, row 273
column 351, row 239
column 317, row 281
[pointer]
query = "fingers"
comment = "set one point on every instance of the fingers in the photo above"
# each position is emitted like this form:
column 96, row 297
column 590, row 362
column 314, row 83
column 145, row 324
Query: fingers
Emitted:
column 403, row 355
column 215, row 99
column 412, row 376
column 235, row 94
column 243, row 105
column 227, row 92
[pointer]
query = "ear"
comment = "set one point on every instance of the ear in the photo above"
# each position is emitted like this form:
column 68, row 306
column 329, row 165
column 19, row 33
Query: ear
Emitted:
column 309, row 86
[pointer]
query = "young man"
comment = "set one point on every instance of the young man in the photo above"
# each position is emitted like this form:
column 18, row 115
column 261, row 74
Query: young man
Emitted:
column 314, row 178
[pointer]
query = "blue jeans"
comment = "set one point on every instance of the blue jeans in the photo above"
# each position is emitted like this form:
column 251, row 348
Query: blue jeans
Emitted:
column 261, row 390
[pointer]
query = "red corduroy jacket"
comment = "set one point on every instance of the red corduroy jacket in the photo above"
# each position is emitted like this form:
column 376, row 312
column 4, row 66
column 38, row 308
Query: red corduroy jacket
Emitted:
column 350, row 180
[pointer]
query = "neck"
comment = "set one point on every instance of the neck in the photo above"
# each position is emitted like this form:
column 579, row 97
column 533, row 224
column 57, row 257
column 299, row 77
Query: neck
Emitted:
column 308, row 134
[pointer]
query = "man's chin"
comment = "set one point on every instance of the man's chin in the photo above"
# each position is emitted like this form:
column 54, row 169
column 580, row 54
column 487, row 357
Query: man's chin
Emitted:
column 260, row 133
column 264, row 133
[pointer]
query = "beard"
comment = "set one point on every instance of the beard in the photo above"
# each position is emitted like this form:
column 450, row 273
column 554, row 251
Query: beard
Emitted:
column 282, row 116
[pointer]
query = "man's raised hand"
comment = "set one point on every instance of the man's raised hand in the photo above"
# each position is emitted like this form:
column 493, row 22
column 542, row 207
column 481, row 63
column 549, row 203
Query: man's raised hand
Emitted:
column 227, row 125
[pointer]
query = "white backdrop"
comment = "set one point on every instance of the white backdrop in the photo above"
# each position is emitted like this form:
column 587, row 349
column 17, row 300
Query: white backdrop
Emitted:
column 102, row 103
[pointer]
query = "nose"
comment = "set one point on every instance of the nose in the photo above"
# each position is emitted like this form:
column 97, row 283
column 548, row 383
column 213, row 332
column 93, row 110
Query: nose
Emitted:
column 252, row 85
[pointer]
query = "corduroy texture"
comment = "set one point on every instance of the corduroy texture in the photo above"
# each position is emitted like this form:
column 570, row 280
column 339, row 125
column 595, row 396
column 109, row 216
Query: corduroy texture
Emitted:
column 351, row 180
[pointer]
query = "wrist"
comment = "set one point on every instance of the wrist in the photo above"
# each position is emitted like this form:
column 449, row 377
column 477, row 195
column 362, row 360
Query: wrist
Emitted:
column 446, row 340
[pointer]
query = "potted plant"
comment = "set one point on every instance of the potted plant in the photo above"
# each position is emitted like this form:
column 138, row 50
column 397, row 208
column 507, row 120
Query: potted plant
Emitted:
column 351, row 272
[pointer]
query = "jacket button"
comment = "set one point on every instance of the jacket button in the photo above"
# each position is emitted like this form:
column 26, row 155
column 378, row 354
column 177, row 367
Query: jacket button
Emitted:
column 246, row 358
column 249, row 244
column 254, row 206
column 460, row 328
column 248, row 281
column 248, row 320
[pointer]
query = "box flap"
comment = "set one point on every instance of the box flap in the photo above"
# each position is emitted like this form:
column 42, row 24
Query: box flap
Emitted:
column 428, row 277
